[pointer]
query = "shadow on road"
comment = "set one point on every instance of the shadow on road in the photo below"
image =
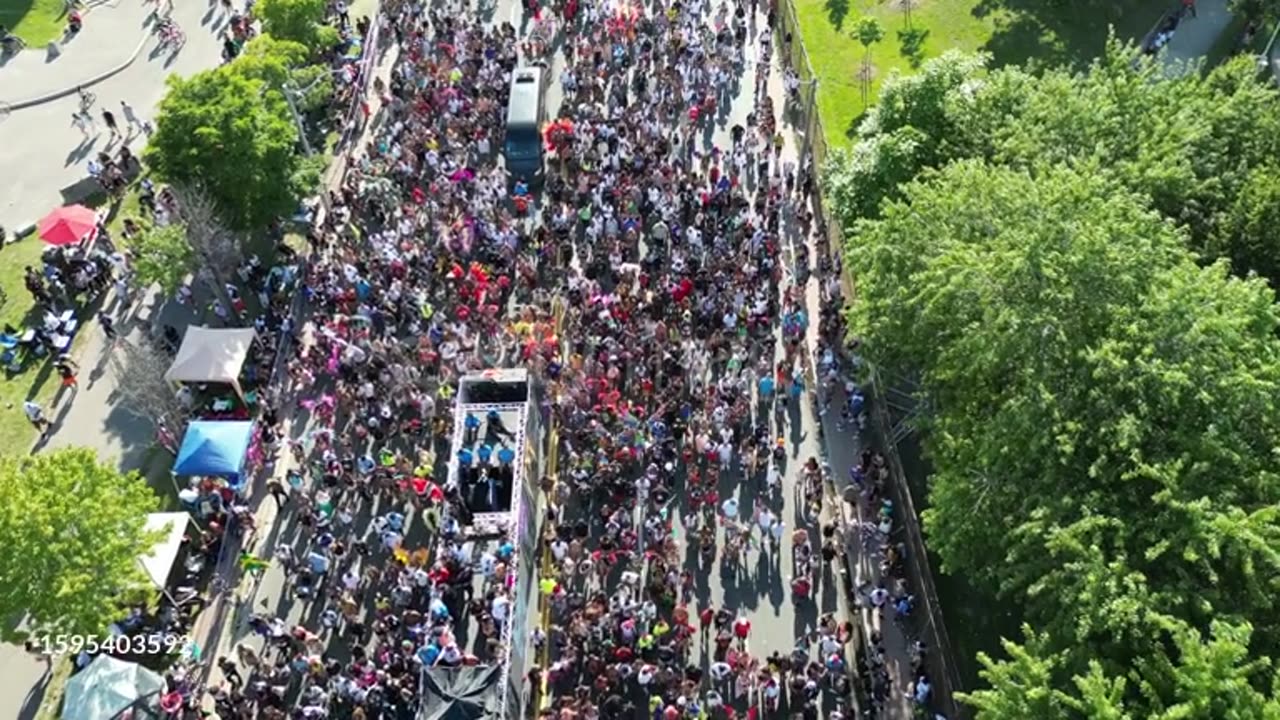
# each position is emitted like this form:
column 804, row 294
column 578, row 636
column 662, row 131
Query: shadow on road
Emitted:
column 35, row 696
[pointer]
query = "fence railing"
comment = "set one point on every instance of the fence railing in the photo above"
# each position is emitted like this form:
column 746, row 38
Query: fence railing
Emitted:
column 806, row 120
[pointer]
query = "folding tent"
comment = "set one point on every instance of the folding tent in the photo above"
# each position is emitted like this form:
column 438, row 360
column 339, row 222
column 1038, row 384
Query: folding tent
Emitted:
column 211, row 355
column 215, row 447
column 461, row 693
column 159, row 561
column 112, row 688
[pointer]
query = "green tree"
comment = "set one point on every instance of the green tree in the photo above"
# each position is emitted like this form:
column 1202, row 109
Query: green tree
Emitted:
column 1249, row 231
column 914, row 126
column 869, row 32
column 233, row 135
column 1022, row 684
column 1187, row 145
column 1267, row 10
column 162, row 256
column 284, row 63
column 1191, row 677
column 300, row 21
column 1104, row 408
column 73, row 532
column 271, row 59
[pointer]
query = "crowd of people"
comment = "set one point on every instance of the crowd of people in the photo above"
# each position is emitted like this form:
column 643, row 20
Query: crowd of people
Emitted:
column 654, row 285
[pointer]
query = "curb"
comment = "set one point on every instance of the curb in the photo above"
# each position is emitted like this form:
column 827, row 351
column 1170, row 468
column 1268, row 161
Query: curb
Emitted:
column 58, row 94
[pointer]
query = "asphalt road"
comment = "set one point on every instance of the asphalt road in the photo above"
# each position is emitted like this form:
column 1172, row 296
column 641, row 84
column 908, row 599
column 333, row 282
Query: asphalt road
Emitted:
column 760, row 585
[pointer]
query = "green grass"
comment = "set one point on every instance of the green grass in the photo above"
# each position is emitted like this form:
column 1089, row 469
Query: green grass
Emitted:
column 1010, row 31
column 51, row 703
column 37, row 379
column 36, row 21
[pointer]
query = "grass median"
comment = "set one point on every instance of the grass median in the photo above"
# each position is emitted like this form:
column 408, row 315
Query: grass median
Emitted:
column 1052, row 32
column 35, row 21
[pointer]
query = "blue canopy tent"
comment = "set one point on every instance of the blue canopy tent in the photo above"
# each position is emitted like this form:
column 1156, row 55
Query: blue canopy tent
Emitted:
column 215, row 447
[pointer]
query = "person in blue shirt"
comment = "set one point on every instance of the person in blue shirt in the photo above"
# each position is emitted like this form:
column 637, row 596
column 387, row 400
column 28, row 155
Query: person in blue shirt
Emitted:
column 766, row 387
column 797, row 384
column 428, row 654
column 472, row 425
column 506, row 455
column 395, row 521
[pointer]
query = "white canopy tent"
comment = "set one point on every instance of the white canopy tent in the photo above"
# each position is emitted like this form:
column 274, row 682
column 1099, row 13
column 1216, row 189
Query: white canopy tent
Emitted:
column 159, row 562
column 211, row 355
column 110, row 688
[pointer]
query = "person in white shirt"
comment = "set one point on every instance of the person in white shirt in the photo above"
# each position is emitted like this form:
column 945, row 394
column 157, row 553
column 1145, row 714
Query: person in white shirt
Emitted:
column 35, row 414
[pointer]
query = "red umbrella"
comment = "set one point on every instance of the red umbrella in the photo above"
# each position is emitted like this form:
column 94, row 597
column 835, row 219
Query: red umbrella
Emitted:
column 68, row 225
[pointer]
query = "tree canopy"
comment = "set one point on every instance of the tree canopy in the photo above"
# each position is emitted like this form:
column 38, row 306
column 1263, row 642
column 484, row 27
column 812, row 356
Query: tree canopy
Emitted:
column 1197, row 149
column 162, row 256
column 1104, row 423
column 72, row 529
column 299, row 21
column 228, row 130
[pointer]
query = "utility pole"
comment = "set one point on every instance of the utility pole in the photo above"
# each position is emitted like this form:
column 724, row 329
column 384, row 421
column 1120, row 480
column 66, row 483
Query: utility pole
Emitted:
column 288, row 91
column 810, row 126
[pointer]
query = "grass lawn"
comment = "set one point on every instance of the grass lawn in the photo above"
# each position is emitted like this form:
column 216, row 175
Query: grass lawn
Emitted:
column 1011, row 31
column 37, row 379
column 51, row 704
column 36, row 21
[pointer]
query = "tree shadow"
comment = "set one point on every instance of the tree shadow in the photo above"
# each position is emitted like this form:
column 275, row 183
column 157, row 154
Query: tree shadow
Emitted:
column 1056, row 32
column 35, row 697
column 911, row 43
column 837, row 11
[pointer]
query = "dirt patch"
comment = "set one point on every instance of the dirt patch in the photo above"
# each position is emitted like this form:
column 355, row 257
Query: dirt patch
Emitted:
column 866, row 72
column 905, row 5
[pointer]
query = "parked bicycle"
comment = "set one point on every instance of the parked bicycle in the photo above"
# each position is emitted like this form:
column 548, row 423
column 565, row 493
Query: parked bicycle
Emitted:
column 87, row 99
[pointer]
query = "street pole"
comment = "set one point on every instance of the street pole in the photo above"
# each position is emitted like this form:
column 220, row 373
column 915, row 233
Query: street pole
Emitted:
column 297, row 119
column 809, row 125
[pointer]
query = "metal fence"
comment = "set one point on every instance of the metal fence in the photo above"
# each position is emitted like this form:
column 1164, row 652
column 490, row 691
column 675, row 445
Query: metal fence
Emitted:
column 803, row 116
column 802, row 113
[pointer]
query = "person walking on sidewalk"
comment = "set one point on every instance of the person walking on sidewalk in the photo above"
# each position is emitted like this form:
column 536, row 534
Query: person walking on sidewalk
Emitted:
column 130, row 117
column 110, row 119
column 67, row 369
column 108, row 326
column 230, row 672
column 278, row 493
column 84, row 126
column 1189, row 7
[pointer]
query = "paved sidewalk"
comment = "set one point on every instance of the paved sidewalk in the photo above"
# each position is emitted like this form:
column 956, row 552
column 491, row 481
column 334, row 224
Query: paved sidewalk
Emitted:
column 224, row 625
column 46, row 155
column 1196, row 35
column 111, row 36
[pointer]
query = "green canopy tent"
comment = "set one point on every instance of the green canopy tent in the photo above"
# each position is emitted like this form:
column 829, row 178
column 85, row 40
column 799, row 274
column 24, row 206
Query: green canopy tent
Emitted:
column 110, row 688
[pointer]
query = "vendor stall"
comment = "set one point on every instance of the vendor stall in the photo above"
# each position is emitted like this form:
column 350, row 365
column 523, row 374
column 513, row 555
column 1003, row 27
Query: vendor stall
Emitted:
column 112, row 689
column 212, row 355
column 159, row 562
column 215, row 448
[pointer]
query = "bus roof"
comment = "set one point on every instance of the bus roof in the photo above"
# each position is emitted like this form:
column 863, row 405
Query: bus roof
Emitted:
column 526, row 97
